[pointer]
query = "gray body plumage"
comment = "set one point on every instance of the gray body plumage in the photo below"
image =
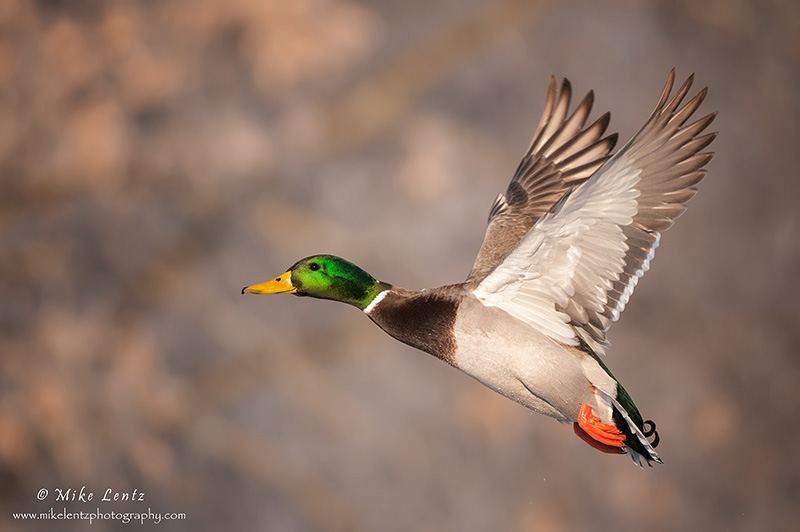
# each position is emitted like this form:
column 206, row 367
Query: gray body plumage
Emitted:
column 498, row 350
column 519, row 362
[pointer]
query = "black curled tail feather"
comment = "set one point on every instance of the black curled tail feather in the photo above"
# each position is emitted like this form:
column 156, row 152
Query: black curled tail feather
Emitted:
column 647, row 429
column 651, row 432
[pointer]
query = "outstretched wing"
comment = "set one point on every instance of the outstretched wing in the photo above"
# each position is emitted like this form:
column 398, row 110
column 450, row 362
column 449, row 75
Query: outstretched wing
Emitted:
column 573, row 273
column 562, row 154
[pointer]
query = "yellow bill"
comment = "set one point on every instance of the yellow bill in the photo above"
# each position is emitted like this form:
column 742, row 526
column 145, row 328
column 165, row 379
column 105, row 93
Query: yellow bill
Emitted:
column 279, row 285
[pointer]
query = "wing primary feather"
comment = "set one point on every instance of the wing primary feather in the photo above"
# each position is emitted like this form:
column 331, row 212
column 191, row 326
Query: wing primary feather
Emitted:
column 549, row 103
column 588, row 137
column 557, row 117
column 664, row 93
column 569, row 128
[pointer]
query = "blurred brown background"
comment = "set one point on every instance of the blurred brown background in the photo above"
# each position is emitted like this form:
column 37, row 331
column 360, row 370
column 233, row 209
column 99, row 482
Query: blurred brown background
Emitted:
column 155, row 157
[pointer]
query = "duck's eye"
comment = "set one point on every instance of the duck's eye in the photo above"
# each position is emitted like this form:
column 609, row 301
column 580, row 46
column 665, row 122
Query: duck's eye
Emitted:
column 313, row 266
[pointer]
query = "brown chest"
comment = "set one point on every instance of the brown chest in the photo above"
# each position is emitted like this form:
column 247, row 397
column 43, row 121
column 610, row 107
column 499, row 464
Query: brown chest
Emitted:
column 425, row 320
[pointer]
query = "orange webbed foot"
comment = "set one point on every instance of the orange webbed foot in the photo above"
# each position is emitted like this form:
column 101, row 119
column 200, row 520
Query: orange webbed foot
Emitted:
column 601, row 432
column 591, row 442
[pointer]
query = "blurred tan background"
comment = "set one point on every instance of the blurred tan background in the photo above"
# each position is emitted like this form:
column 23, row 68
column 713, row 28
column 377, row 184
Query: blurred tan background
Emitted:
column 155, row 157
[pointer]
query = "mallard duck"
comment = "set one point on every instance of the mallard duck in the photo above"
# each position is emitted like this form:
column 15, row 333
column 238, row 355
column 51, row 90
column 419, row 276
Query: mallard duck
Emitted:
column 563, row 251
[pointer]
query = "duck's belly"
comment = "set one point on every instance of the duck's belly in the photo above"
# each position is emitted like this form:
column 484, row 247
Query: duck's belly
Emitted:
column 517, row 361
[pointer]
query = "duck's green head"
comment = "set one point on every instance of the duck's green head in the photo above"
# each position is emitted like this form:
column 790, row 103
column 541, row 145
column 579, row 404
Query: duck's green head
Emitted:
column 324, row 277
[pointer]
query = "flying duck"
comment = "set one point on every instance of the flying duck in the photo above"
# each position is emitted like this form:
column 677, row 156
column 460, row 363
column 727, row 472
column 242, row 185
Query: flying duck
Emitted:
column 563, row 251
